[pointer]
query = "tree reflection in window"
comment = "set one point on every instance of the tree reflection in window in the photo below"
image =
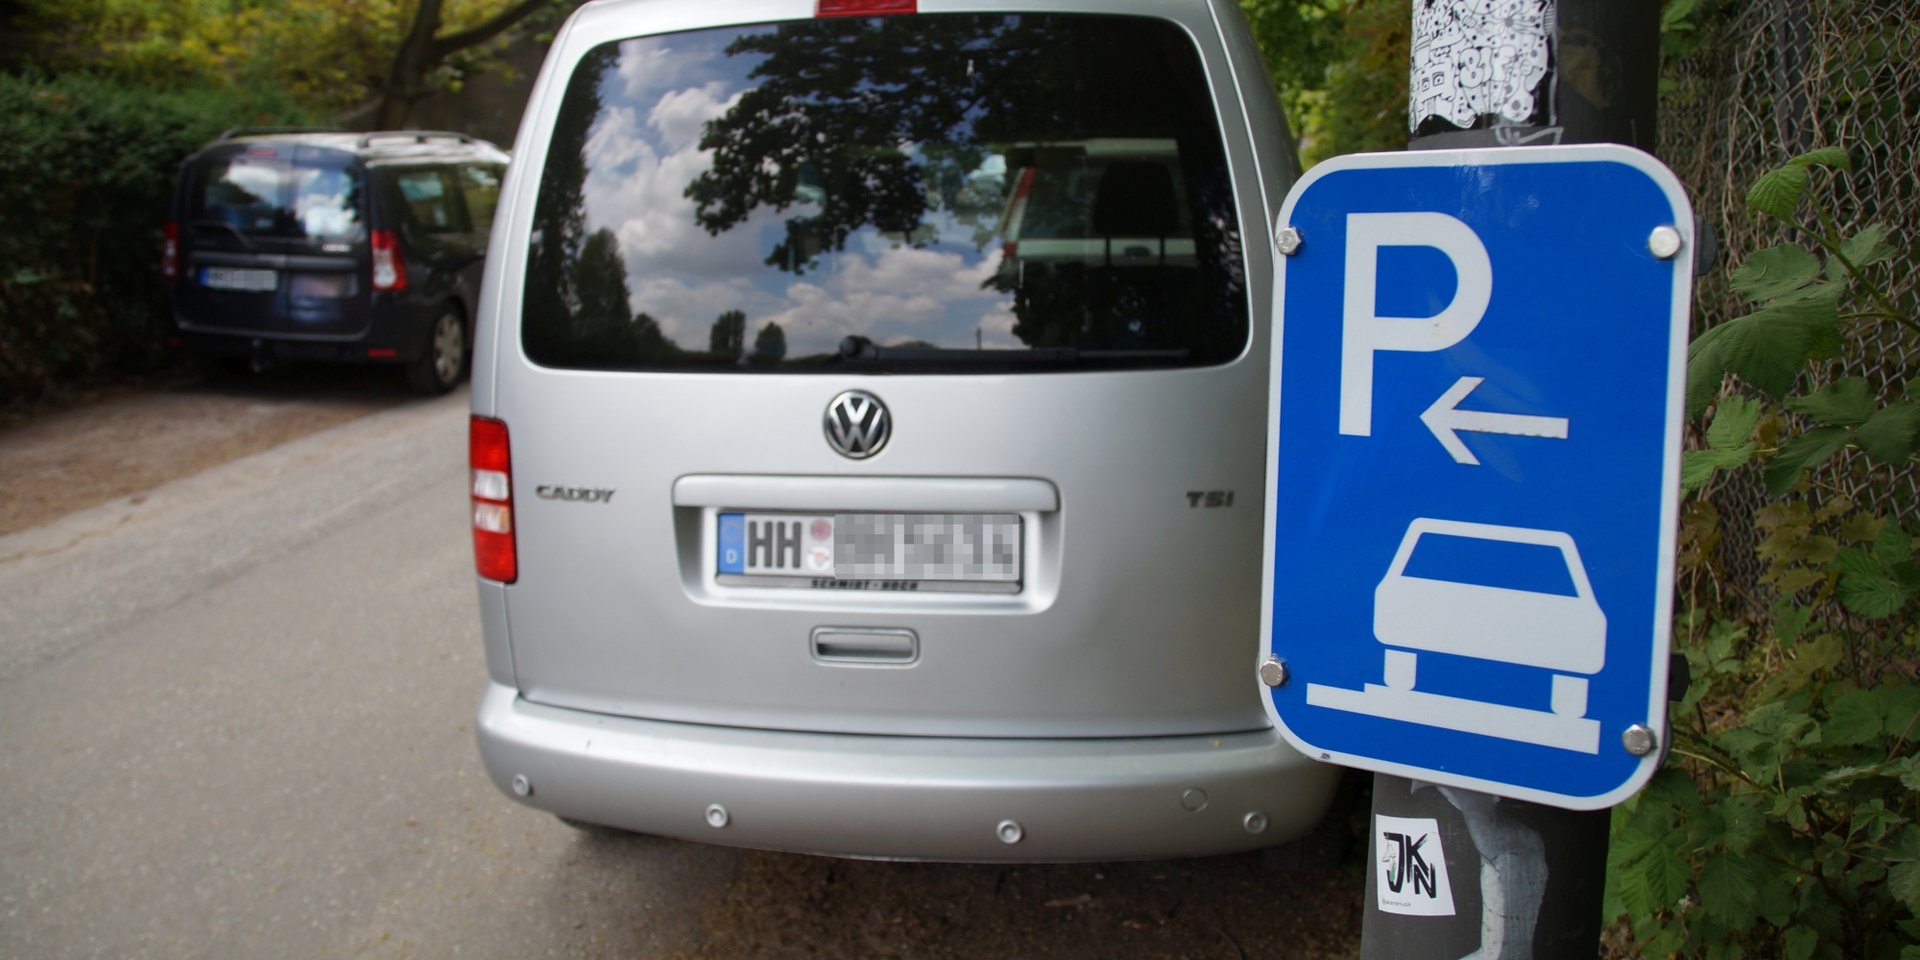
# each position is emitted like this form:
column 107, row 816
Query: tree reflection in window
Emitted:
column 916, row 132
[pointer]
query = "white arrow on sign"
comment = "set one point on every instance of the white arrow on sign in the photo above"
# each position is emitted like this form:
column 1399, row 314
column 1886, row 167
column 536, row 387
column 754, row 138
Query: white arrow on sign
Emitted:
column 1445, row 419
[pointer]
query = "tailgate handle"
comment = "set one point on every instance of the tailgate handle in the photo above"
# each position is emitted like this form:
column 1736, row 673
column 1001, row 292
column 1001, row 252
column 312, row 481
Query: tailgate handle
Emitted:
column 872, row 646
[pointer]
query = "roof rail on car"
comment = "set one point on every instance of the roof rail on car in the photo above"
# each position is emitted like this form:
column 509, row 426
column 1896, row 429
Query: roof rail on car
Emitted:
column 417, row 136
column 229, row 134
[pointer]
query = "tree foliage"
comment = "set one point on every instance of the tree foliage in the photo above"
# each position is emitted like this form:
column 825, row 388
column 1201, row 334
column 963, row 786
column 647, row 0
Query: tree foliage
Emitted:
column 1340, row 69
column 375, row 58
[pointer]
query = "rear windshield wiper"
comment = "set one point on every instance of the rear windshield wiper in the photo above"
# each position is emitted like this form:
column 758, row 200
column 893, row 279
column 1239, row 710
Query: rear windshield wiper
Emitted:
column 860, row 351
column 230, row 228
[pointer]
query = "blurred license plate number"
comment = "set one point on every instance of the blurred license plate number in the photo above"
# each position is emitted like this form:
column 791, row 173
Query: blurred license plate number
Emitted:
column 236, row 278
column 962, row 547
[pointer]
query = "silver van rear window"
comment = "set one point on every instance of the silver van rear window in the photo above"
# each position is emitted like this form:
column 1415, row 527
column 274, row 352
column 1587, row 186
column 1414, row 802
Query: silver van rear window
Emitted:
column 931, row 193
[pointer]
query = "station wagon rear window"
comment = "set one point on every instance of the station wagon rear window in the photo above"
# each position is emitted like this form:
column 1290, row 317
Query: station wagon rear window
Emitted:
column 282, row 192
column 933, row 193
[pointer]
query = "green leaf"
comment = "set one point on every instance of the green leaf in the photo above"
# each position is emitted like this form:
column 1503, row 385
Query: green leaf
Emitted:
column 1899, row 705
column 1812, row 448
column 1903, row 875
column 1729, row 443
column 1733, row 423
column 1673, row 787
column 1891, row 433
column 1852, row 718
column 1727, row 890
column 1873, row 819
column 1892, row 545
column 1864, row 249
column 1767, row 348
column 1844, row 403
column 1769, row 273
column 1812, row 293
column 1833, row 157
column 1745, row 820
column 1874, row 595
column 1674, row 15
column 1800, row 942
column 1778, row 191
column 1777, row 902
column 1906, row 769
column 1790, row 621
column 1639, row 863
column 1838, row 781
column 1697, row 467
column 1857, row 562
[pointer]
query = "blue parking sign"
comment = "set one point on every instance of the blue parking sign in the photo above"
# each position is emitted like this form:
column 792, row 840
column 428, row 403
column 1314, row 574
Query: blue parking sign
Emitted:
column 1473, row 466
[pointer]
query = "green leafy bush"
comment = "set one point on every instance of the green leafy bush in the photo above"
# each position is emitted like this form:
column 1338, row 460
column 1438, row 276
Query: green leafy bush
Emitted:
column 1789, row 823
column 85, row 179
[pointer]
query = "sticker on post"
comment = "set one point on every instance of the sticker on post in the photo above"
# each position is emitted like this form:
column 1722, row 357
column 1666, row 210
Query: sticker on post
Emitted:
column 1411, row 868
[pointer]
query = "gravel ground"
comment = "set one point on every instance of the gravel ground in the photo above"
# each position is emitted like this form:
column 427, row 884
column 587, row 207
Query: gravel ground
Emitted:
column 118, row 441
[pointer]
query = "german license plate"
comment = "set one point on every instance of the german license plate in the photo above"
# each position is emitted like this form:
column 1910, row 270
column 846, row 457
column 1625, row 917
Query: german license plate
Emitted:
column 239, row 278
column 945, row 547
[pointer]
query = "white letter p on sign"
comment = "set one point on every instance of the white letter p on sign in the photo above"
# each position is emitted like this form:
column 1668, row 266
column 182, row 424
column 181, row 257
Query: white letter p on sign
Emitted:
column 1364, row 331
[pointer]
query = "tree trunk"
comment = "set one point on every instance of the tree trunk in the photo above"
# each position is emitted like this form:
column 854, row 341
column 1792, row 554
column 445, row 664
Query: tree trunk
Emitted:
column 420, row 52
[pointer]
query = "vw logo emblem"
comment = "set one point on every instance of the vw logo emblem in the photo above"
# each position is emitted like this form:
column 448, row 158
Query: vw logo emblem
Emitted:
column 858, row 424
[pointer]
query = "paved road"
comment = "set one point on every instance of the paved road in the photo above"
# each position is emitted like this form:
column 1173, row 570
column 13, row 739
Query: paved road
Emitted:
column 237, row 724
column 235, row 721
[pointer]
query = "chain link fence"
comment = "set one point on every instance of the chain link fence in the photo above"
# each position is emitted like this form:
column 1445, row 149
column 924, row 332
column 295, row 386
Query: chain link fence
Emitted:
column 1773, row 79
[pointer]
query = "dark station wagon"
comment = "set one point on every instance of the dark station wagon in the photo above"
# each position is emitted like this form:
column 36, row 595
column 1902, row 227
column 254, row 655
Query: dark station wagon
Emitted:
column 329, row 246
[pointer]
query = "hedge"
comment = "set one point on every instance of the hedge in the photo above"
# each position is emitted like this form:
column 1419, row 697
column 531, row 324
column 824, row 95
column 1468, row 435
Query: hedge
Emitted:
column 87, row 168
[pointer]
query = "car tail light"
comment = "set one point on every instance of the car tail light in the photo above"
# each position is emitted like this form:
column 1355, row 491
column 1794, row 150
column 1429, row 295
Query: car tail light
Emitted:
column 494, row 557
column 863, row 8
column 389, row 268
column 170, row 252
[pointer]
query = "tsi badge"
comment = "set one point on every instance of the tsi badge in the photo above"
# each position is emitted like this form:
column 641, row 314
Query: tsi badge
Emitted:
column 1473, row 463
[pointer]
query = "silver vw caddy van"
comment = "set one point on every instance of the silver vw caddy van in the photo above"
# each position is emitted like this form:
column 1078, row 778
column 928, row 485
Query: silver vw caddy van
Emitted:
column 868, row 430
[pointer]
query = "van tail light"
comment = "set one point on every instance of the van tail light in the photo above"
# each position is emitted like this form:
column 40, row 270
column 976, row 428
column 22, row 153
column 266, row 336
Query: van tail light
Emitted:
column 389, row 268
column 170, row 252
column 494, row 556
column 864, row 8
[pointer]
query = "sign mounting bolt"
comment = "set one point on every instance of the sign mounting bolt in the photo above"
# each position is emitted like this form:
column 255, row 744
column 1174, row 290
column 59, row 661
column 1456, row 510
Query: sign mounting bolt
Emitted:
column 1639, row 740
column 1273, row 671
column 1664, row 242
column 1288, row 240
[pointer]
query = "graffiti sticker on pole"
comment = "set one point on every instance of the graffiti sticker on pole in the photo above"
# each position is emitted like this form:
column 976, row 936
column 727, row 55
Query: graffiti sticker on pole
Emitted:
column 1410, row 871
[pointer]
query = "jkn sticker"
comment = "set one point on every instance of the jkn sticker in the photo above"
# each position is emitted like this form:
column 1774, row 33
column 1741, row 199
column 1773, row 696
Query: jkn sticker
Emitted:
column 1411, row 867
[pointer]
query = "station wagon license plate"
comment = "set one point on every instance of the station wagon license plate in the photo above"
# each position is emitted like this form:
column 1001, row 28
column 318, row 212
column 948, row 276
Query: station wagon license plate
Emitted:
column 852, row 548
column 239, row 278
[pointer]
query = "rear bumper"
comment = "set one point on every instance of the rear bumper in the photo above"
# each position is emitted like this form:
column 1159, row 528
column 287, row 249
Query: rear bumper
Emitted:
column 395, row 331
column 906, row 797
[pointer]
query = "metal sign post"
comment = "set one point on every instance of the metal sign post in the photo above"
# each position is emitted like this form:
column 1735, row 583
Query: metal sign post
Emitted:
column 1473, row 485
